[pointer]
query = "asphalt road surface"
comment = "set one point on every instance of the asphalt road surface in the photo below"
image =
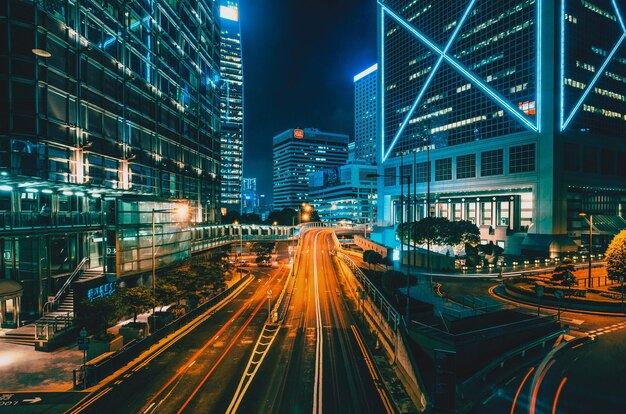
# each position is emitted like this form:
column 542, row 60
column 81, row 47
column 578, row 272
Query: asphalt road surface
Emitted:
column 198, row 372
column 317, row 363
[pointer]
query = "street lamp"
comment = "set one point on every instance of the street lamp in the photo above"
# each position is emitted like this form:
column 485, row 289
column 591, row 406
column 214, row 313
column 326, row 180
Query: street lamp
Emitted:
column 589, row 280
column 181, row 213
column 236, row 223
column 401, row 225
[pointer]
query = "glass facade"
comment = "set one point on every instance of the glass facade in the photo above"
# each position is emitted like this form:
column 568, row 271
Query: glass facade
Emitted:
column 134, row 229
column 457, row 72
column 231, row 105
column 296, row 154
column 101, row 100
column 126, row 100
column 593, row 73
column 365, row 109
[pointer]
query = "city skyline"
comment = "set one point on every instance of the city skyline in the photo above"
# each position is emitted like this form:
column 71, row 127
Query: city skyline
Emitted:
column 317, row 61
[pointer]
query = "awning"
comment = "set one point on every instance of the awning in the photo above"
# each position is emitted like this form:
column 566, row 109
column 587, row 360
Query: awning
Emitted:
column 10, row 289
column 605, row 224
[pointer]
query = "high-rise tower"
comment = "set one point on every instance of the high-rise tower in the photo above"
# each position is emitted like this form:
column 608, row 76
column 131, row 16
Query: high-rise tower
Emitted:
column 365, row 118
column 231, row 105
column 514, row 109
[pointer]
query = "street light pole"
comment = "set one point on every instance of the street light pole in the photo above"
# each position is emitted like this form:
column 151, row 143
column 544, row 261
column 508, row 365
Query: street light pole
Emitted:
column 153, row 272
column 589, row 280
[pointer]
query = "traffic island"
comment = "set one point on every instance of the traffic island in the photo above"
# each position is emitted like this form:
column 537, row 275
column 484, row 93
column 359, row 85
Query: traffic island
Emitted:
column 543, row 292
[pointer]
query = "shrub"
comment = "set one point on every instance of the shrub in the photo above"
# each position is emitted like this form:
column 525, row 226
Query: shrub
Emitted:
column 616, row 256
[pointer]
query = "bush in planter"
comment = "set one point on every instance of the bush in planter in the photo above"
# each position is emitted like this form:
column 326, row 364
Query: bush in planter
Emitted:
column 166, row 293
column 136, row 300
column 100, row 314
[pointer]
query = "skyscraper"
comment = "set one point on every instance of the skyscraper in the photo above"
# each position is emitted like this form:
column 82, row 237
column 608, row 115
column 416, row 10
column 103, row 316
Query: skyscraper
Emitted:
column 365, row 114
column 231, row 105
column 298, row 153
column 109, row 116
column 515, row 111
column 249, row 196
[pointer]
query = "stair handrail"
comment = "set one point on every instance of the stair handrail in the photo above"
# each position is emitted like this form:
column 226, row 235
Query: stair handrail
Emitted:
column 68, row 282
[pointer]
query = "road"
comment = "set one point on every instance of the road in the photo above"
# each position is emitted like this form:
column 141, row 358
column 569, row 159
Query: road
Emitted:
column 318, row 362
column 195, row 373
column 582, row 377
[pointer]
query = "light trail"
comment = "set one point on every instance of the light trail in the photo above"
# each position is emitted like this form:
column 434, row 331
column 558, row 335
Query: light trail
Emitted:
column 520, row 389
column 319, row 353
column 558, row 393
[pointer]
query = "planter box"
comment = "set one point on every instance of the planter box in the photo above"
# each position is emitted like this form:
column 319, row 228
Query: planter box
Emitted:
column 161, row 319
column 98, row 347
column 137, row 330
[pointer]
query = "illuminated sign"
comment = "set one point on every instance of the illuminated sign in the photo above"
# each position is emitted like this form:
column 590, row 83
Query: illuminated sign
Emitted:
column 298, row 133
column 229, row 13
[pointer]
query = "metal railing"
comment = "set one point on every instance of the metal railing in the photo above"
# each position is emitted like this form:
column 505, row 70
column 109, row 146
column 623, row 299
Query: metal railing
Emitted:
column 63, row 291
column 32, row 220
column 372, row 291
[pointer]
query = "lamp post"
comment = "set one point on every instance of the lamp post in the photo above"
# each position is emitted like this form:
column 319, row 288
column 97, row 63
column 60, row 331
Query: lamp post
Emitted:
column 589, row 280
column 401, row 222
column 236, row 223
column 181, row 212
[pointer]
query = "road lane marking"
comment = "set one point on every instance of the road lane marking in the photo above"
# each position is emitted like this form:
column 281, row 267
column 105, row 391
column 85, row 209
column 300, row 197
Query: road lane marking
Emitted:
column 521, row 385
column 558, row 393
column 578, row 345
column 370, row 367
column 319, row 351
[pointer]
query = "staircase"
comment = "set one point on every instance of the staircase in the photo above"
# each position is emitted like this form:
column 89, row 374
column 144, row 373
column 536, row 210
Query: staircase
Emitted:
column 24, row 335
column 67, row 304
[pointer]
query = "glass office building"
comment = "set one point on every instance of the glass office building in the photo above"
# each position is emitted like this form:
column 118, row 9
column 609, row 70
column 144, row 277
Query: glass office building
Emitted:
column 515, row 111
column 365, row 117
column 231, row 106
column 101, row 101
column 296, row 154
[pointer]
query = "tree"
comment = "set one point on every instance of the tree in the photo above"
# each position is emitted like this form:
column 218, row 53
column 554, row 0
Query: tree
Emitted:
column 99, row 314
column 314, row 216
column 230, row 217
column 374, row 258
column 463, row 231
column 166, row 293
column 284, row 217
column 564, row 273
column 437, row 229
column 616, row 256
column 366, row 255
column 136, row 300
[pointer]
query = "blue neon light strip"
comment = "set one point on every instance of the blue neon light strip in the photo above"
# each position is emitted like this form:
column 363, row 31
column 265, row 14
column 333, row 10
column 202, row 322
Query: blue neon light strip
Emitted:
column 562, row 86
column 461, row 69
column 420, row 95
column 619, row 16
column 595, row 78
column 381, row 83
column 598, row 73
column 538, row 103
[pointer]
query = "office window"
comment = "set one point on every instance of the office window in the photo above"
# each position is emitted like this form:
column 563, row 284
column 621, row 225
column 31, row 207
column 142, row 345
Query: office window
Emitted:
column 421, row 172
column 406, row 171
column 522, row 158
column 492, row 163
column 466, row 166
column 390, row 176
column 443, row 169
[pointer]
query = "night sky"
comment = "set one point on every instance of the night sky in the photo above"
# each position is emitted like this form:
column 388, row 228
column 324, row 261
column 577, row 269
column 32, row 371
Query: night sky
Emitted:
column 299, row 60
